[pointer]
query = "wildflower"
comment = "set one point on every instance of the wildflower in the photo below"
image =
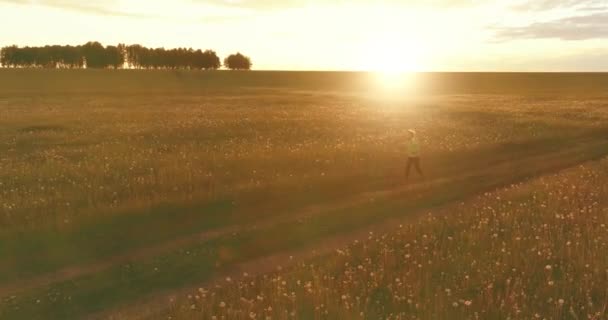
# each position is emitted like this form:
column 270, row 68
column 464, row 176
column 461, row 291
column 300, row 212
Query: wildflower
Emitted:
column 222, row 304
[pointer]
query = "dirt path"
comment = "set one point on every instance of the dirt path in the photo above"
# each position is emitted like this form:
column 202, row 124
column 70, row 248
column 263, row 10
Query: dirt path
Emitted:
column 154, row 305
column 157, row 303
column 296, row 216
column 299, row 215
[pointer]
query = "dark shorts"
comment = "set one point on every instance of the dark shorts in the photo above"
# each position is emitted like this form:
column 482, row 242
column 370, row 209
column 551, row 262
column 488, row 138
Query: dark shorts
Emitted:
column 413, row 162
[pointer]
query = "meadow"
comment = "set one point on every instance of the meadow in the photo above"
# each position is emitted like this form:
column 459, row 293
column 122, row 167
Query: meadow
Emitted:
column 534, row 250
column 71, row 152
column 120, row 186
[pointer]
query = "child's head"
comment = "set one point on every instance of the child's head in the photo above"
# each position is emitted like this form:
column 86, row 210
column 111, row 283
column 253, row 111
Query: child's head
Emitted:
column 411, row 133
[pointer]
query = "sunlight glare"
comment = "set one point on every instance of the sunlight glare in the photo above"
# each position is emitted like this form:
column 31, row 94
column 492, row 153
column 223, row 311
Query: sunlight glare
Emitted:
column 392, row 60
column 391, row 53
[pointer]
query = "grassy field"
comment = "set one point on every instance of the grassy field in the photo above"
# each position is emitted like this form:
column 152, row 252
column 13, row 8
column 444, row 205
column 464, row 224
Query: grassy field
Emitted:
column 120, row 186
column 533, row 250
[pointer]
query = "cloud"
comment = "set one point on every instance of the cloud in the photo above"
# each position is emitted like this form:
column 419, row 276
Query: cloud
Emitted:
column 216, row 11
column 583, row 61
column 161, row 10
column 284, row 4
column 105, row 7
column 588, row 20
column 546, row 5
column 583, row 27
column 99, row 7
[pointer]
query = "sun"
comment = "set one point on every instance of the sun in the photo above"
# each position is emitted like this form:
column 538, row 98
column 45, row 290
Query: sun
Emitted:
column 391, row 60
column 392, row 54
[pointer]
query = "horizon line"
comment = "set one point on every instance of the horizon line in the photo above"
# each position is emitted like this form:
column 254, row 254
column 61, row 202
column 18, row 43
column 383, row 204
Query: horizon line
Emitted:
column 307, row 70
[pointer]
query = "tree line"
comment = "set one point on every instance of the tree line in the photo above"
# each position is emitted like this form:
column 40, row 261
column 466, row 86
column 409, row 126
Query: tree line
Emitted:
column 94, row 55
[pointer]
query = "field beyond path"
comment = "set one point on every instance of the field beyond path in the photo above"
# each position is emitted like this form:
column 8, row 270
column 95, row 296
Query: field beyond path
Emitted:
column 113, row 195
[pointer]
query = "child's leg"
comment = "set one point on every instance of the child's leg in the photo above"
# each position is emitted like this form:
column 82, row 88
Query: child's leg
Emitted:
column 407, row 167
column 417, row 165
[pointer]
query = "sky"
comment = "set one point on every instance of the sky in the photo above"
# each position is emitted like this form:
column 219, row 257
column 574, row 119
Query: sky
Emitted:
column 385, row 35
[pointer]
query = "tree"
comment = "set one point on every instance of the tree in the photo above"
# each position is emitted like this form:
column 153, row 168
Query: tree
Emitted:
column 73, row 57
column 94, row 55
column 114, row 57
column 134, row 53
column 237, row 62
column 211, row 60
column 8, row 56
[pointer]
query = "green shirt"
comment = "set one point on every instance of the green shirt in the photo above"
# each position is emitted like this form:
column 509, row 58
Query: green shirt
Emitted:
column 413, row 148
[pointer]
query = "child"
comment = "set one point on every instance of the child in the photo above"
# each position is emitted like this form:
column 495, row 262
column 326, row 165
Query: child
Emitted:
column 413, row 154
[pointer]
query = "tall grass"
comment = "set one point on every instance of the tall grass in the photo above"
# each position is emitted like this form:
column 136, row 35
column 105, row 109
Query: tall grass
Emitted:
column 530, row 251
column 64, row 158
column 98, row 165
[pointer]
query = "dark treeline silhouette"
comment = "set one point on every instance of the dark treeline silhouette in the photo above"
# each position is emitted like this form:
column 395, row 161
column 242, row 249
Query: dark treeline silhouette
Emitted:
column 237, row 62
column 95, row 55
column 181, row 58
column 48, row 57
